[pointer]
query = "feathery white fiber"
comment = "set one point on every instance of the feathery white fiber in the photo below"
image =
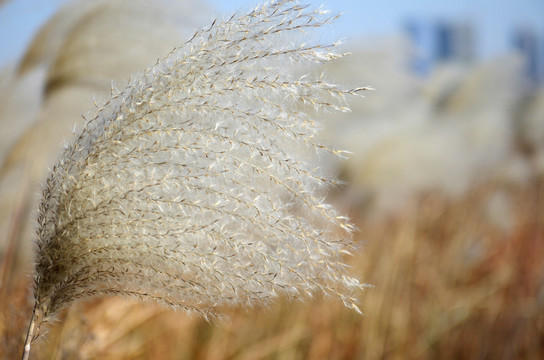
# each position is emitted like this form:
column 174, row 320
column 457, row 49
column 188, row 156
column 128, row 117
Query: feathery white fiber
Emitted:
column 197, row 186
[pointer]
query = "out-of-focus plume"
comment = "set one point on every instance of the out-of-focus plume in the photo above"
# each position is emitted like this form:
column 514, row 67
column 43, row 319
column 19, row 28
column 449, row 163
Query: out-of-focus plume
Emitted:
column 448, row 134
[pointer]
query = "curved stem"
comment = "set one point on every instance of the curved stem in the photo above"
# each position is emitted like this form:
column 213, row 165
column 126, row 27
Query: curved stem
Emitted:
column 30, row 335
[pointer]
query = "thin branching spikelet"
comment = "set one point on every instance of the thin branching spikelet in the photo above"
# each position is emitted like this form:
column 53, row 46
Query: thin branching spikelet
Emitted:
column 196, row 186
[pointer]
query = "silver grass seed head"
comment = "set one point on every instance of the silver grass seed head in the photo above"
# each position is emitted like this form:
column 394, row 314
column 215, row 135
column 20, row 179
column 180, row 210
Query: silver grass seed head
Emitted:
column 197, row 186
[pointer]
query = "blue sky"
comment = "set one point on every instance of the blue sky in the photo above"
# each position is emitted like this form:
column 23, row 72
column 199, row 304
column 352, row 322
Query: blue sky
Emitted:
column 494, row 19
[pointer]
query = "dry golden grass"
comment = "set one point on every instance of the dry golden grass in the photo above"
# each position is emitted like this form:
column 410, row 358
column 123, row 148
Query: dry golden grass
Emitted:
column 448, row 285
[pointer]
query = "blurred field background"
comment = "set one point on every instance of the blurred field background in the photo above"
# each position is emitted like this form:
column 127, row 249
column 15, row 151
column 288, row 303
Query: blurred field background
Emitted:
column 445, row 183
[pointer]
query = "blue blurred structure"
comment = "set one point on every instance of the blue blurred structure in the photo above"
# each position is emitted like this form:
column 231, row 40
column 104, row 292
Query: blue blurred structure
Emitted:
column 531, row 46
column 439, row 41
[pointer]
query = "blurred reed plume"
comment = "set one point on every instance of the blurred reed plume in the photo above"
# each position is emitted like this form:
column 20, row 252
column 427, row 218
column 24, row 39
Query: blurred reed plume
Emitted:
column 198, row 185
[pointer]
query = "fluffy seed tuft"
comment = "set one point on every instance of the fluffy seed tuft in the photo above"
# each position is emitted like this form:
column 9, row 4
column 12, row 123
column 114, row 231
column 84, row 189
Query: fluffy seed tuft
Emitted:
column 197, row 186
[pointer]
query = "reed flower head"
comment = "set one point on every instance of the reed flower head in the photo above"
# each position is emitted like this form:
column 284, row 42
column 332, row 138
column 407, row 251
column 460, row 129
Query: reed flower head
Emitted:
column 197, row 186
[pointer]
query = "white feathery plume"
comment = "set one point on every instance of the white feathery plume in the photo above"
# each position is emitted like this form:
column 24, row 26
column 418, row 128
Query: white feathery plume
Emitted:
column 197, row 186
